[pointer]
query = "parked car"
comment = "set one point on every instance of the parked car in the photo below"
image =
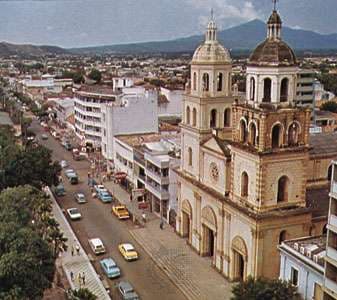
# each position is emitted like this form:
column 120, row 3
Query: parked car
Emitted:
column 80, row 198
column 110, row 268
column 126, row 291
column 128, row 251
column 97, row 246
column 121, row 212
column 105, row 196
column 44, row 136
column 63, row 164
column 72, row 176
column 74, row 213
column 59, row 190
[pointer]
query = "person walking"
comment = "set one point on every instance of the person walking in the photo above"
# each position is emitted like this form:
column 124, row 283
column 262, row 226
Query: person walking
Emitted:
column 79, row 277
column 144, row 217
column 72, row 250
column 77, row 249
column 83, row 278
column 161, row 225
column 71, row 275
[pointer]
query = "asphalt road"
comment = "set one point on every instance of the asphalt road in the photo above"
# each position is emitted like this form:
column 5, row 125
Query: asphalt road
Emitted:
column 97, row 221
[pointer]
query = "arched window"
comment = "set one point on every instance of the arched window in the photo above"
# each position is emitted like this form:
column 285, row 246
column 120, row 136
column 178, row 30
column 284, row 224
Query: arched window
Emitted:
column 189, row 153
column 282, row 189
column 227, row 117
column 284, row 89
column 266, row 90
column 194, row 81
column 243, row 132
column 252, row 89
column 329, row 172
column 252, row 134
column 188, row 115
column 282, row 236
column 293, row 132
column 212, row 122
column 194, row 117
column 205, row 82
column 244, row 184
column 219, row 82
column 276, row 136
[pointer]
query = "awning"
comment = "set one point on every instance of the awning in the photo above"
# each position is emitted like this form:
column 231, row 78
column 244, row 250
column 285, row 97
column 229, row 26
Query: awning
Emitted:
column 120, row 175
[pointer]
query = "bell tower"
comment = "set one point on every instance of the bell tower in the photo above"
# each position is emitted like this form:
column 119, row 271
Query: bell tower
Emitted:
column 270, row 135
column 207, row 100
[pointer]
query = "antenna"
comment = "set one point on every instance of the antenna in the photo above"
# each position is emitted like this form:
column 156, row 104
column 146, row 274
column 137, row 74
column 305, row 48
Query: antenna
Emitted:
column 275, row 3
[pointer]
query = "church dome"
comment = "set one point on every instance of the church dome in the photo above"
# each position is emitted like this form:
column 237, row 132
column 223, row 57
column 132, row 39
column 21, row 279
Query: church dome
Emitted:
column 273, row 52
column 211, row 51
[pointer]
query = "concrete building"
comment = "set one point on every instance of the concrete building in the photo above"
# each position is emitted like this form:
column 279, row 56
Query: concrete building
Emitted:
column 147, row 161
column 330, row 274
column 302, row 263
column 119, row 83
column 134, row 113
column 171, row 103
column 305, row 87
column 64, row 108
column 250, row 173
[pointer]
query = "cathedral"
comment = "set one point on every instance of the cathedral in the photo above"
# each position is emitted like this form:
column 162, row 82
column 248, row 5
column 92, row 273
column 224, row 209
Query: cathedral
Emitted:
column 251, row 175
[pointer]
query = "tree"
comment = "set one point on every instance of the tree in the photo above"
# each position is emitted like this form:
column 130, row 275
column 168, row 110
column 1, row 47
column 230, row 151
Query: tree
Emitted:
column 329, row 106
column 81, row 294
column 264, row 289
column 329, row 81
column 95, row 75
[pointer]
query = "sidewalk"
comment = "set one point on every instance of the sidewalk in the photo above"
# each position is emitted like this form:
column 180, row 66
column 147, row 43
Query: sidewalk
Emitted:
column 192, row 274
column 77, row 263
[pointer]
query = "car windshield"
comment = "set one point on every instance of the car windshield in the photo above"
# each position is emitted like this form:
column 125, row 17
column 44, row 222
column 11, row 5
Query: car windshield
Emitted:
column 74, row 211
column 105, row 194
column 80, row 196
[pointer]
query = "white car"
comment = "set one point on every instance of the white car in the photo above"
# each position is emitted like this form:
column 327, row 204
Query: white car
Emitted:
column 63, row 164
column 74, row 213
column 100, row 188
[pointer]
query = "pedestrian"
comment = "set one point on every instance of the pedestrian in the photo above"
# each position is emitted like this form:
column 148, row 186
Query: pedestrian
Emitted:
column 131, row 197
column 79, row 277
column 144, row 217
column 77, row 249
column 83, row 278
column 161, row 225
column 72, row 250
column 71, row 275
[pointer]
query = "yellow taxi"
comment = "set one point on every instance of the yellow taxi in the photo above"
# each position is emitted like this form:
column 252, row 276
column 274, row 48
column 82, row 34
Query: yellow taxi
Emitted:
column 128, row 251
column 120, row 212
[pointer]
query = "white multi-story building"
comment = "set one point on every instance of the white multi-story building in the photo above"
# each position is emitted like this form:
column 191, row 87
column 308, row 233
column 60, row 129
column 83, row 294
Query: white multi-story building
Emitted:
column 305, row 87
column 302, row 263
column 330, row 274
column 118, row 83
column 172, row 106
column 88, row 115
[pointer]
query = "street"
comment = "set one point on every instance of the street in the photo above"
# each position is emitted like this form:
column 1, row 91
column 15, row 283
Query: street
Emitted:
column 98, row 222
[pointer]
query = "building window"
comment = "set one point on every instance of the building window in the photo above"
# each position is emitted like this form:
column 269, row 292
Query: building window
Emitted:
column 243, row 131
column 205, row 82
column 189, row 153
column 188, row 115
column 252, row 89
column 244, row 185
column 227, row 117
column 219, row 82
column 252, row 134
column 194, row 81
column 267, row 90
column 282, row 189
column 294, row 277
column 276, row 136
column 194, row 117
column 282, row 236
column 284, row 89
column 212, row 122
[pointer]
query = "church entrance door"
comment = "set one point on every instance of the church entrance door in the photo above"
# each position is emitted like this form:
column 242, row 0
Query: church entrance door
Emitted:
column 209, row 241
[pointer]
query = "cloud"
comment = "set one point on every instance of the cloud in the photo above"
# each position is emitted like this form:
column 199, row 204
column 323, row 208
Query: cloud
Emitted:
column 225, row 11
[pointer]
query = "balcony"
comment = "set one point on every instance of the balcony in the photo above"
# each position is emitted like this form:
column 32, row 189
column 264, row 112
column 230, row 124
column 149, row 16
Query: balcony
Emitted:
column 330, row 284
column 158, row 177
column 139, row 159
column 157, row 191
column 333, row 221
column 331, row 253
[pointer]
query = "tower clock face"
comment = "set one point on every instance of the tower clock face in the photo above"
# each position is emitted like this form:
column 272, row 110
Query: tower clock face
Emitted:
column 214, row 172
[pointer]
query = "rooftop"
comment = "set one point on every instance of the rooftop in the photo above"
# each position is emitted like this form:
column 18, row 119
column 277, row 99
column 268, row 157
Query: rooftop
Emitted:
column 310, row 250
column 323, row 144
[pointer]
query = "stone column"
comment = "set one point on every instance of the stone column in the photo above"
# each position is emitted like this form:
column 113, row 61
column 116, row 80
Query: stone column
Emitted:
column 196, row 238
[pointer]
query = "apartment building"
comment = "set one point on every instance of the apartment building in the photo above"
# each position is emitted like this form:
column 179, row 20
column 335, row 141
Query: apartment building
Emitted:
column 305, row 87
column 330, row 274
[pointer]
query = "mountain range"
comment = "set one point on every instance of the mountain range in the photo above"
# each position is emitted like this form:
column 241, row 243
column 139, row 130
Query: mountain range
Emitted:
column 242, row 37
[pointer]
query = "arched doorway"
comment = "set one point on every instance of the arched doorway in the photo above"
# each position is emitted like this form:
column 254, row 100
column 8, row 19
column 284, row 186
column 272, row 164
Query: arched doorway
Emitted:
column 284, row 90
column 252, row 89
column 186, row 226
column 276, row 136
column 243, row 131
column 252, row 134
column 239, row 259
column 213, row 122
column 227, row 117
column 205, row 82
column 209, row 228
column 282, row 189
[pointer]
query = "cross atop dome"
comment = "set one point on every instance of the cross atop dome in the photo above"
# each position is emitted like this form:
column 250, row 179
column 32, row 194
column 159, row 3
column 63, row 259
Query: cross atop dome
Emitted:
column 275, row 3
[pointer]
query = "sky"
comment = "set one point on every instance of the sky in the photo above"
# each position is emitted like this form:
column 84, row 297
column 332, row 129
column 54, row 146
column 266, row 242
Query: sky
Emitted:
column 79, row 23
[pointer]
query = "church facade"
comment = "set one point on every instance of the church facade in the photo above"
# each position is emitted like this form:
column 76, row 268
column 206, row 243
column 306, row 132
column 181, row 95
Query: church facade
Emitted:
column 247, row 167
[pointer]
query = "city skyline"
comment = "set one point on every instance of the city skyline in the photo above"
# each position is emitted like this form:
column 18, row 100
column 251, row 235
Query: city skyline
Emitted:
column 79, row 23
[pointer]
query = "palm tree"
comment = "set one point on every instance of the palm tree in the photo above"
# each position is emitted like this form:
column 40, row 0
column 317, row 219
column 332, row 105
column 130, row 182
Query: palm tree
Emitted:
column 81, row 294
